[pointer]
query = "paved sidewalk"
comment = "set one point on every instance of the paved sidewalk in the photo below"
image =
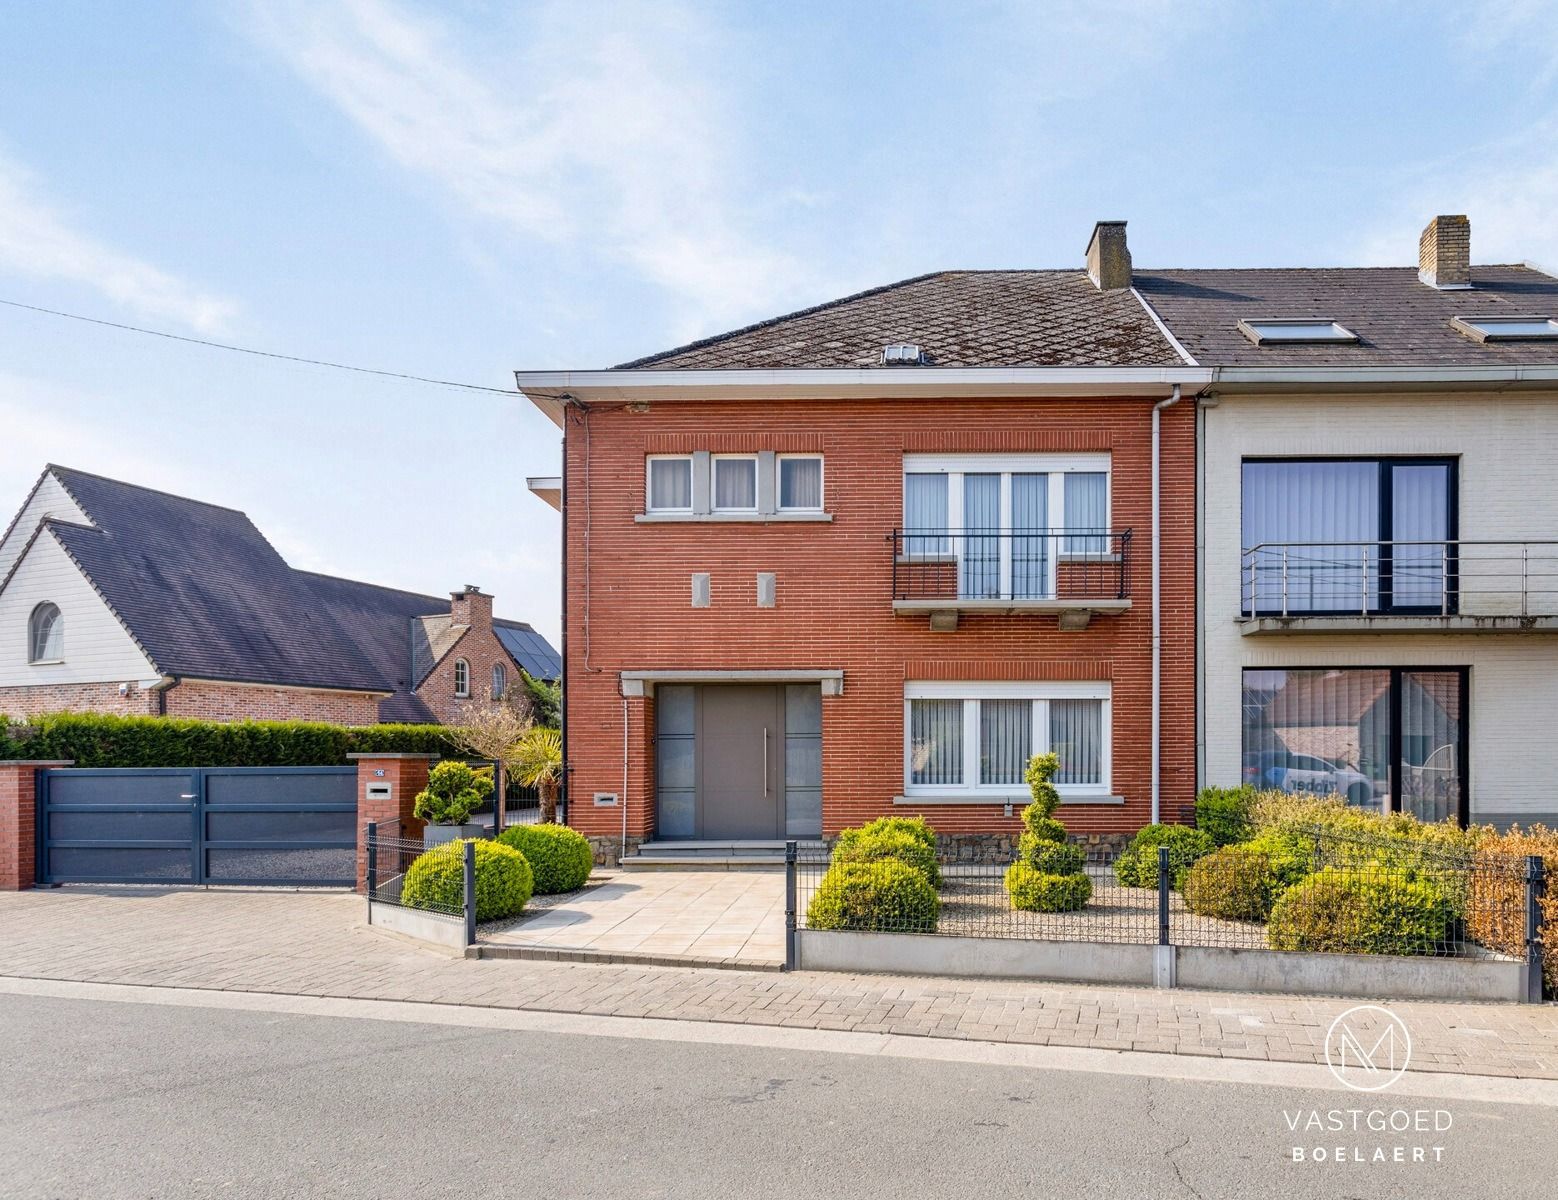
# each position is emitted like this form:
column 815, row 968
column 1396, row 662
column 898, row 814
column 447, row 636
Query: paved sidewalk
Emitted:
column 312, row 944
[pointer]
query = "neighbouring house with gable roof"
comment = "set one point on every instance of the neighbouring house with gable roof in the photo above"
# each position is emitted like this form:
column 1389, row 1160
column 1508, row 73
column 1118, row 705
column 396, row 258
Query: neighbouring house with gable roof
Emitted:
column 120, row 598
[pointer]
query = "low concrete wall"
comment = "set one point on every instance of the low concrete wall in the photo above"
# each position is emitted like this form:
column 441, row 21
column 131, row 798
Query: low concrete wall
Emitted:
column 425, row 926
column 1012, row 958
column 1371, row 976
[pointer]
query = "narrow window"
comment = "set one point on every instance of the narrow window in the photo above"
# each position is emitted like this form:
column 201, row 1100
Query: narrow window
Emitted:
column 500, row 680
column 735, row 483
column 1087, row 512
column 46, row 635
column 800, row 483
column 670, row 484
column 925, row 513
column 462, row 678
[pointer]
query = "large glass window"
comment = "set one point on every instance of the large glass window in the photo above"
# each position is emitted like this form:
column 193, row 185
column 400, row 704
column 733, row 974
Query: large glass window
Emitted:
column 979, row 737
column 1379, row 738
column 1349, row 535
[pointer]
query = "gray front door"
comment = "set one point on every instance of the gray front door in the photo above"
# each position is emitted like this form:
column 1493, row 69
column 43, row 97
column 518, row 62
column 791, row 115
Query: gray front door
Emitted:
column 740, row 742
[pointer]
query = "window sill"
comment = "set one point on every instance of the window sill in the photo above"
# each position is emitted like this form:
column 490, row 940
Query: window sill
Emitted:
column 752, row 518
column 1014, row 798
column 47, row 662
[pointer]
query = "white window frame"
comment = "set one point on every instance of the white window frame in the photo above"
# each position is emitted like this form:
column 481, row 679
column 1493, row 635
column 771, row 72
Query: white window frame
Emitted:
column 714, row 462
column 822, row 484
column 500, row 681
column 649, row 461
column 1039, row 693
column 462, row 668
column 55, row 629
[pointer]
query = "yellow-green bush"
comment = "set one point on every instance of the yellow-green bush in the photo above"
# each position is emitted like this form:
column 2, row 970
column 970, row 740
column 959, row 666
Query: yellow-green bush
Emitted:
column 1356, row 910
column 882, row 896
column 914, row 827
column 1033, row 890
column 560, row 858
column 1138, row 865
column 1233, row 883
column 436, row 880
column 858, row 846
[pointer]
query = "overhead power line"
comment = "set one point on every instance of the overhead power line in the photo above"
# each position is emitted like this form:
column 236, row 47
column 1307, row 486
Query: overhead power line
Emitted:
column 311, row 362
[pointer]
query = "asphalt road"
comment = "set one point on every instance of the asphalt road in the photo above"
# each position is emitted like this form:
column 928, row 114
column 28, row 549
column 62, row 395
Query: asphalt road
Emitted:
column 108, row 1099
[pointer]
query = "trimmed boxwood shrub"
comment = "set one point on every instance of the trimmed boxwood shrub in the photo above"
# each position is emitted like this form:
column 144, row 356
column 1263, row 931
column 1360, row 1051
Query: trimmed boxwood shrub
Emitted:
column 1138, row 865
column 914, row 827
column 1224, row 814
column 1051, row 858
column 436, row 880
column 885, row 896
column 858, row 846
column 1355, row 911
column 560, row 858
column 1291, row 855
column 1234, row 883
column 1034, row 890
column 454, row 791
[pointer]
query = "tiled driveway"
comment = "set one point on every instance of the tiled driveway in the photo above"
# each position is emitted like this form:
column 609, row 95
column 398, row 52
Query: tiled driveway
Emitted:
column 735, row 917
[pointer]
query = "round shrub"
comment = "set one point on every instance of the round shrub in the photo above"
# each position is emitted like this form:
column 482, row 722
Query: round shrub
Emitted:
column 1051, row 858
column 914, row 827
column 1138, row 866
column 1039, row 891
column 875, row 847
column 436, row 880
column 1347, row 911
column 560, row 858
column 885, row 896
column 1234, row 883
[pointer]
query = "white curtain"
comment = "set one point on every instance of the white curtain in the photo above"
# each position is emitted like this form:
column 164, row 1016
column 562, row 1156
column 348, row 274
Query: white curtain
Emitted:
column 1076, row 734
column 800, row 483
column 1327, row 503
column 1005, row 740
column 735, row 483
column 1030, row 545
column 1419, row 512
column 925, row 513
column 981, row 561
column 670, row 483
column 1087, row 507
column 936, row 742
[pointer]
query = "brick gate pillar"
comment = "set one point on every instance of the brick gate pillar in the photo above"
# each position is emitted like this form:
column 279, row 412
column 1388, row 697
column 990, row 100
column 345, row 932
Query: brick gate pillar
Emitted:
column 387, row 786
column 19, row 822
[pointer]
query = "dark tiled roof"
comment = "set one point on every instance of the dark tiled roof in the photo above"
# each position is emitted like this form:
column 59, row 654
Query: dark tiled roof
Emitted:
column 1399, row 320
column 529, row 649
column 958, row 318
column 203, row 592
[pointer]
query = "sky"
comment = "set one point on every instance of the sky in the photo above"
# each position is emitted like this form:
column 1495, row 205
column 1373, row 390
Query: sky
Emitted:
column 458, row 190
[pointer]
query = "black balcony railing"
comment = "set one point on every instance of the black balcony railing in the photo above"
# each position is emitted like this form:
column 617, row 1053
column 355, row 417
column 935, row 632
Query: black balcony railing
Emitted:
column 956, row 565
column 1409, row 578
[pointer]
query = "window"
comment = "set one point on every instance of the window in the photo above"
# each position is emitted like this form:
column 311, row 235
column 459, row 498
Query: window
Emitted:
column 45, row 635
column 1507, row 329
column 800, row 483
column 500, row 680
column 670, row 484
column 1298, row 331
column 1379, row 738
column 462, row 678
column 1006, row 519
column 1349, row 535
column 978, row 737
column 735, row 483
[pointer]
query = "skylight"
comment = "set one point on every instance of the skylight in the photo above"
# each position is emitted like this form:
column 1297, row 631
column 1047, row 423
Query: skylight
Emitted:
column 1506, row 329
column 1291, row 330
column 901, row 354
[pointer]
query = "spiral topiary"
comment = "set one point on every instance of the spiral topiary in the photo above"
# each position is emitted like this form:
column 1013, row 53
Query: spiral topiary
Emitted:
column 1049, row 874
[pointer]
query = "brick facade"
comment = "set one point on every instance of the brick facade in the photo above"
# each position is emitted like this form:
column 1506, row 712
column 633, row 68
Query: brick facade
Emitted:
column 76, row 697
column 196, row 698
column 479, row 648
column 18, row 823
column 406, row 775
column 629, row 605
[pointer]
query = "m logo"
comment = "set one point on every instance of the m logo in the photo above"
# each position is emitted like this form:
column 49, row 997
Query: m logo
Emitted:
column 1368, row 1048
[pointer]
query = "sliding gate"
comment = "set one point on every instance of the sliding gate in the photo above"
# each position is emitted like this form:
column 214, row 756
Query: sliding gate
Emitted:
column 228, row 825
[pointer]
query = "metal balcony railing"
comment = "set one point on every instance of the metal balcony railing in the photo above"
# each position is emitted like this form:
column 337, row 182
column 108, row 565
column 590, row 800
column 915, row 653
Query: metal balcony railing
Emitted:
column 1016, row 565
column 1405, row 578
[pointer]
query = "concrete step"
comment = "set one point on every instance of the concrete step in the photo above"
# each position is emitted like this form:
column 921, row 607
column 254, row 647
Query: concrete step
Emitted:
column 703, row 862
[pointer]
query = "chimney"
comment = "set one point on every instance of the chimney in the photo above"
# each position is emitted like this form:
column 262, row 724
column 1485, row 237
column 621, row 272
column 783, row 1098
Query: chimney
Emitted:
column 471, row 606
column 1108, row 258
column 1444, row 253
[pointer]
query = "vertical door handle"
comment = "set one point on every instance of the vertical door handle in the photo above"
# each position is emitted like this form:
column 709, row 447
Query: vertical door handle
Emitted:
column 765, row 762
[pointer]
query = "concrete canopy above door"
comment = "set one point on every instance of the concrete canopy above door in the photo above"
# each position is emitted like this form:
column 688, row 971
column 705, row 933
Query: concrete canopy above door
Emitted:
column 642, row 683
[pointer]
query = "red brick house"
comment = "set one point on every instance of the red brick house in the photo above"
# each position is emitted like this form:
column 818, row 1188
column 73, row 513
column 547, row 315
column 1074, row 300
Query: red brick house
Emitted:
column 868, row 557
column 118, row 598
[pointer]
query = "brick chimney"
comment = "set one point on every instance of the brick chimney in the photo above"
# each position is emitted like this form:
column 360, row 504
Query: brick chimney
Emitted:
column 471, row 606
column 1108, row 257
column 1444, row 253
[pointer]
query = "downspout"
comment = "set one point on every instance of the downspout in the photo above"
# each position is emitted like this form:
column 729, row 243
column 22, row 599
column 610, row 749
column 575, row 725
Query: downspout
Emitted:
column 623, row 799
column 162, row 687
column 1157, row 599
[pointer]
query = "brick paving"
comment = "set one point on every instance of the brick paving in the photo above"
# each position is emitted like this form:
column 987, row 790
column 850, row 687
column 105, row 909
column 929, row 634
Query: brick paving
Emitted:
column 313, row 944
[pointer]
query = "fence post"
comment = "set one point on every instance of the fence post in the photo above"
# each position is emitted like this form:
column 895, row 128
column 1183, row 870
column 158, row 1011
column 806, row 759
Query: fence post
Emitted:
column 1535, row 888
column 373, row 865
column 1165, row 961
column 790, row 937
column 1163, row 895
column 470, row 892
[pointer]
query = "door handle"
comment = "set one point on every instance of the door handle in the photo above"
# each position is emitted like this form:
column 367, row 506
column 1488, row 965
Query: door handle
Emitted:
column 765, row 762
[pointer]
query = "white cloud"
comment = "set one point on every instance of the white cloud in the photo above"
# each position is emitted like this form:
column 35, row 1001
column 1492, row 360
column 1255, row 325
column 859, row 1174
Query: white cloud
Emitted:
column 606, row 137
column 37, row 241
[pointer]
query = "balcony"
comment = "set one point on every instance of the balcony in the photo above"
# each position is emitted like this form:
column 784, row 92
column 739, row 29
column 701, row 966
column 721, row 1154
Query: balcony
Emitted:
column 1400, row 587
column 1074, row 573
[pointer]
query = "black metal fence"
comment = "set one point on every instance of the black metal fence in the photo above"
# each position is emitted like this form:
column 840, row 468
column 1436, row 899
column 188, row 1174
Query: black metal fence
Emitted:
column 1013, row 564
column 389, row 857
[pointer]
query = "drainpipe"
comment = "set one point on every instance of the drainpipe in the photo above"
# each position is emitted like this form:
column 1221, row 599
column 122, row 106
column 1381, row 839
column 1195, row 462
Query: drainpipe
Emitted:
column 1157, row 599
column 162, row 687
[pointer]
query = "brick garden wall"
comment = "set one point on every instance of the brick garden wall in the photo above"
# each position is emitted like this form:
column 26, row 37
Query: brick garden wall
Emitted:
column 631, row 609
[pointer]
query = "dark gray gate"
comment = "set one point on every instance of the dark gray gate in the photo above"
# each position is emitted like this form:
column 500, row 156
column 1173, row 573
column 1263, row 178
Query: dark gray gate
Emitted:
column 229, row 825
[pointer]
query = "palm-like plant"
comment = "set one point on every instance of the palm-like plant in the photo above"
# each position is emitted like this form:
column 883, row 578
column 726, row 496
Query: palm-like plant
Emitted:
column 537, row 759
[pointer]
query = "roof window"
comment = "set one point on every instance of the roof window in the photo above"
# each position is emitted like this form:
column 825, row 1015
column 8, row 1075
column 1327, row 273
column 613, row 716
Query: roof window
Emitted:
column 1295, row 330
column 902, row 354
column 1507, row 329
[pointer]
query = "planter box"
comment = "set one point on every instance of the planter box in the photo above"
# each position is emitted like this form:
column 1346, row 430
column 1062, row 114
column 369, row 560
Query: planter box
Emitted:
column 437, row 835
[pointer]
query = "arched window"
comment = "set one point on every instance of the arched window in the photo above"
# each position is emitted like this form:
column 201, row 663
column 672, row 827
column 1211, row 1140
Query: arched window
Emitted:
column 45, row 634
column 462, row 678
column 500, row 680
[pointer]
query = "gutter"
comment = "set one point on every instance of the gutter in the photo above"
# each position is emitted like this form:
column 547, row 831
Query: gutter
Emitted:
column 162, row 687
column 1157, row 599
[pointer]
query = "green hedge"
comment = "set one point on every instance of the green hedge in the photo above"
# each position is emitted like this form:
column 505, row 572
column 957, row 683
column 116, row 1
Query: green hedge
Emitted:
column 1040, row 891
column 1358, row 912
column 1224, row 814
column 105, row 740
column 886, row 896
column 1138, row 866
column 560, row 857
column 436, row 880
